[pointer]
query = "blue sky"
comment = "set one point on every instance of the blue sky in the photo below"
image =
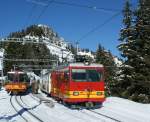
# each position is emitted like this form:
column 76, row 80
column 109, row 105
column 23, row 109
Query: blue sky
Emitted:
column 70, row 22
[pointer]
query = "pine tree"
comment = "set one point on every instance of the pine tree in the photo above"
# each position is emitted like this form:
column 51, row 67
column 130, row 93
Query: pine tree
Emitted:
column 135, row 48
column 104, row 57
column 126, row 42
column 142, row 59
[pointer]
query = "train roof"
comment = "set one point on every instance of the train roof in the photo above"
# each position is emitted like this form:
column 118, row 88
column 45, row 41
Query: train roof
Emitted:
column 86, row 64
column 79, row 65
column 64, row 66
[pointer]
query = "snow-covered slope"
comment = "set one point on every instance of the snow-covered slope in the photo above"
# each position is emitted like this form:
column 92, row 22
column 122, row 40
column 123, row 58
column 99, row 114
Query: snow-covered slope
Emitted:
column 113, row 110
column 60, row 50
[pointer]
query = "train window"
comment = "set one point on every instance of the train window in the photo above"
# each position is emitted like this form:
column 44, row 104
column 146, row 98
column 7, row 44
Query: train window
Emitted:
column 24, row 78
column 13, row 78
column 18, row 78
column 79, row 74
column 93, row 75
column 10, row 77
column 86, row 75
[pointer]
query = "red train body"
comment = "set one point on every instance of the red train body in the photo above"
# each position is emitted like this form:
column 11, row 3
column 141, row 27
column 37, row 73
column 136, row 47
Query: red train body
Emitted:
column 77, row 83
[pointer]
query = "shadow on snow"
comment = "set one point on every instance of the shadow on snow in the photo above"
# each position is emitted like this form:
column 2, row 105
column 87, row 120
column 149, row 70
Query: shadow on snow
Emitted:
column 19, row 113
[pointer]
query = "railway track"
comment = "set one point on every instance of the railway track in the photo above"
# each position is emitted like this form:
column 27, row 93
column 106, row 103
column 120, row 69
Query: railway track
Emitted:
column 34, row 98
column 15, row 108
column 24, row 112
column 104, row 115
column 88, row 111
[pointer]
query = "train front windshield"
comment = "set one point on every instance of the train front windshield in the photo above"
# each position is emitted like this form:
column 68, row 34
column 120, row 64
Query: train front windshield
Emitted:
column 24, row 78
column 12, row 78
column 86, row 75
column 18, row 77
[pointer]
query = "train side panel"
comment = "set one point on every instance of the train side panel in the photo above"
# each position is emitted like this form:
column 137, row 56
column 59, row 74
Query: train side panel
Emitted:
column 59, row 86
column 46, row 83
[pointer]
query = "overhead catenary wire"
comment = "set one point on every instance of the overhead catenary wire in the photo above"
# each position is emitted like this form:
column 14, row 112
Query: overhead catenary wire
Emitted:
column 43, row 11
column 33, row 8
column 30, row 14
column 85, row 6
column 99, row 26
column 29, row 60
column 20, row 40
column 70, row 4
column 34, row 66
column 38, row 2
column 77, row 5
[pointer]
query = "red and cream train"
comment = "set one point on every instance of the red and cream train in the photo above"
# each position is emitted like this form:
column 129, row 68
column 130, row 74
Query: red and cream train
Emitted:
column 17, row 82
column 75, row 83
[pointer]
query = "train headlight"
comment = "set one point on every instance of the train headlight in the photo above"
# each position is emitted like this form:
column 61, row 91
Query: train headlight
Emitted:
column 75, row 93
column 99, row 93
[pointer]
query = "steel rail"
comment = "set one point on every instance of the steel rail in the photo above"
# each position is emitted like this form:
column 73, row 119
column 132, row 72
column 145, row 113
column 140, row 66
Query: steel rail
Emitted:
column 30, row 113
column 16, row 109
column 105, row 115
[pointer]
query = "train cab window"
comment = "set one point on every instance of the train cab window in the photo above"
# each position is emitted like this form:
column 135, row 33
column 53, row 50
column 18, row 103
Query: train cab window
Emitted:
column 10, row 77
column 13, row 78
column 93, row 75
column 24, row 78
column 86, row 75
column 79, row 74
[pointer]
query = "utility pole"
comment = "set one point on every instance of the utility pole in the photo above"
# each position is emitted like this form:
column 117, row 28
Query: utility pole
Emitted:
column 2, row 74
column 62, row 55
column 77, row 47
column 14, row 67
column 2, row 64
column 77, row 50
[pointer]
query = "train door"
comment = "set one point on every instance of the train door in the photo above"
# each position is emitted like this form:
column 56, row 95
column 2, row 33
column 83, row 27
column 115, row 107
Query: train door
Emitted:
column 66, row 81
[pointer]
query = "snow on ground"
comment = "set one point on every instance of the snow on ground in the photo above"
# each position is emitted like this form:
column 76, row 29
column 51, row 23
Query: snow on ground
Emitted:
column 120, row 109
column 6, row 111
column 125, row 110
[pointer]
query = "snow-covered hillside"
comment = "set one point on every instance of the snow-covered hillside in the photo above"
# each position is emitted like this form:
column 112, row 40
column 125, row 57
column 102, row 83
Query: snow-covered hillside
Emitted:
column 57, row 45
column 60, row 50
column 86, row 53
column 18, row 109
